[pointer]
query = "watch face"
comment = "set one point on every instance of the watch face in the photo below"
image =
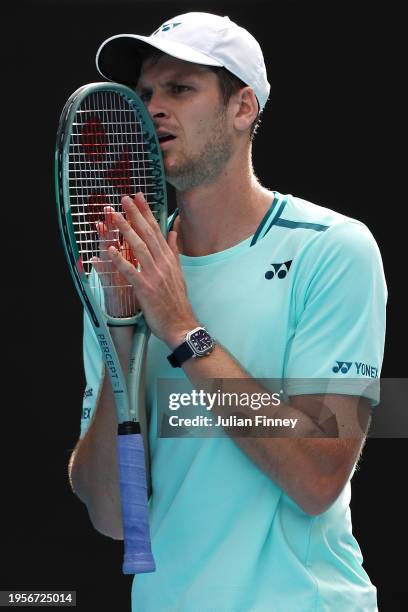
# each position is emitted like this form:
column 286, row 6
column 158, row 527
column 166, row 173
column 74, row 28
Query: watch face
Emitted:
column 201, row 341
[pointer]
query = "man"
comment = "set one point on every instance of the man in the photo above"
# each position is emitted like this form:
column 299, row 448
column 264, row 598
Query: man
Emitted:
column 291, row 291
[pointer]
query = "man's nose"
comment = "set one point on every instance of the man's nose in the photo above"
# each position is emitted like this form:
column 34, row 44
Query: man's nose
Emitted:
column 156, row 107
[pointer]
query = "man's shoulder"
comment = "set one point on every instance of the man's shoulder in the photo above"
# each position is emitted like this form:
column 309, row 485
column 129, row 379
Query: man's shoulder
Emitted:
column 322, row 237
column 319, row 217
column 323, row 226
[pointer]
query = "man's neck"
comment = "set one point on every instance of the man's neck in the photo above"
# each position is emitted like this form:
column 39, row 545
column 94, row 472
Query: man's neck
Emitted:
column 219, row 215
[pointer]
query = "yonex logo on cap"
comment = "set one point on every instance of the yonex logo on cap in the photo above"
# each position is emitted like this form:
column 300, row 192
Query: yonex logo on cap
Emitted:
column 166, row 27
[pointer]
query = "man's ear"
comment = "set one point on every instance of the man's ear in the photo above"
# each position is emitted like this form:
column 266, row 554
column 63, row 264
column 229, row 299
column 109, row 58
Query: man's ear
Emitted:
column 247, row 108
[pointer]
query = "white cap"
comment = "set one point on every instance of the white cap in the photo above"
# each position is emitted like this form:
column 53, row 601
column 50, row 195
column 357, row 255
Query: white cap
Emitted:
column 201, row 38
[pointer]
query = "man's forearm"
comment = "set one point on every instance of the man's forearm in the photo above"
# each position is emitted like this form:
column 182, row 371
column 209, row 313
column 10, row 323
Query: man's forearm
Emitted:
column 93, row 466
column 300, row 461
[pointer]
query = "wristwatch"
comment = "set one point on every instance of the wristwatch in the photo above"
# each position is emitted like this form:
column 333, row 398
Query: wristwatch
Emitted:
column 197, row 343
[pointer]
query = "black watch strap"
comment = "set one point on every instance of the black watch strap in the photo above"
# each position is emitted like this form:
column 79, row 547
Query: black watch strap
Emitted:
column 180, row 355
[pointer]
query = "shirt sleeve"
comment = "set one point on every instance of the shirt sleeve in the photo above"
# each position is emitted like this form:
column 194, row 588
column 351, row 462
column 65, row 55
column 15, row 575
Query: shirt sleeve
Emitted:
column 94, row 373
column 340, row 294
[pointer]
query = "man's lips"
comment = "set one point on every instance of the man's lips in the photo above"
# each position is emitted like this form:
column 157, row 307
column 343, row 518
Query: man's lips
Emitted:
column 166, row 141
column 165, row 136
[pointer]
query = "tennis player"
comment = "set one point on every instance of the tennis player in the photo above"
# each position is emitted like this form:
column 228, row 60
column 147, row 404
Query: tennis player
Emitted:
column 251, row 284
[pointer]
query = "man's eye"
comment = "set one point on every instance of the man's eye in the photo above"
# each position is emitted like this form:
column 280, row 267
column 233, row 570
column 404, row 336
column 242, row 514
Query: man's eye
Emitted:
column 180, row 88
column 145, row 95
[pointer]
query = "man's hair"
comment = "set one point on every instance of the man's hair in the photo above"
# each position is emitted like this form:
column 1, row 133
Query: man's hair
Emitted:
column 229, row 84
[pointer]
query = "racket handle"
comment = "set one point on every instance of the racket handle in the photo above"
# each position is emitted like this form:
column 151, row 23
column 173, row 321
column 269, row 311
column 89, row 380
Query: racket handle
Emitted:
column 138, row 557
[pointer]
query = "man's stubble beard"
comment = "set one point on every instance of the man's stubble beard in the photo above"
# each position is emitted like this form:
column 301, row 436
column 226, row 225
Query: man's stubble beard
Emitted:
column 207, row 165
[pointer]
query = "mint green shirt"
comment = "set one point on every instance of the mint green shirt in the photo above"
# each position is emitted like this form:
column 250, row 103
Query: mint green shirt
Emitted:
column 304, row 298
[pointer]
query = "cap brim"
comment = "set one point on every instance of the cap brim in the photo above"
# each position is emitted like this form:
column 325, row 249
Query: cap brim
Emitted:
column 120, row 57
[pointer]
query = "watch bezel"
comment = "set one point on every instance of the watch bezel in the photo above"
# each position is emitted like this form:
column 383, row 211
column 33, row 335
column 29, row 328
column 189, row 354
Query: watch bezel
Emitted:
column 197, row 352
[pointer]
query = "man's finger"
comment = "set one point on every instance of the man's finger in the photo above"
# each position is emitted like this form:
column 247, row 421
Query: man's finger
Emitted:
column 111, row 232
column 142, row 220
column 108, row 236
column 139, row 249
column 129, row 271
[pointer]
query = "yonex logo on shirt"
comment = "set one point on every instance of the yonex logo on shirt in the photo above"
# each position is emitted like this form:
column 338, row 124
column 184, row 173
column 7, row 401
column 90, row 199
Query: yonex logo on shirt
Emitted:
column 342, row 367
column 279, row 269
column 86, row 413
column 362, row 369
column 365, row 369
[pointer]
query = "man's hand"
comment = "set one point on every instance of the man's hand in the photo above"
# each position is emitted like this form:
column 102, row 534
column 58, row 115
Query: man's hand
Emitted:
column 120, row 297
column 157, row 280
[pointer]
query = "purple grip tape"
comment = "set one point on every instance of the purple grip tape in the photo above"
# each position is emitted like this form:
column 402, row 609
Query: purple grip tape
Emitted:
column 133, row 490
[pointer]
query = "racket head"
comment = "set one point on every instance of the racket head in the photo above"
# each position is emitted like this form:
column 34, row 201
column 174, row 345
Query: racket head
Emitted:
column 106, row 148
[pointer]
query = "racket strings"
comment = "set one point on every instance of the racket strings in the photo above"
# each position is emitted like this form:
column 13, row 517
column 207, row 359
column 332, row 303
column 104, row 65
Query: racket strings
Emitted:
column 108, row 158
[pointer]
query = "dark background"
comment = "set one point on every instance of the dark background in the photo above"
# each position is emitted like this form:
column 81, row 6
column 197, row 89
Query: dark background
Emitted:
column 330, row 134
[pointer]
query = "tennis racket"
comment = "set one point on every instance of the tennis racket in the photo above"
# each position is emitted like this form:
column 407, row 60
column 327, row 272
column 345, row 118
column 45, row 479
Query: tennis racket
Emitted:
column 107, row 148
